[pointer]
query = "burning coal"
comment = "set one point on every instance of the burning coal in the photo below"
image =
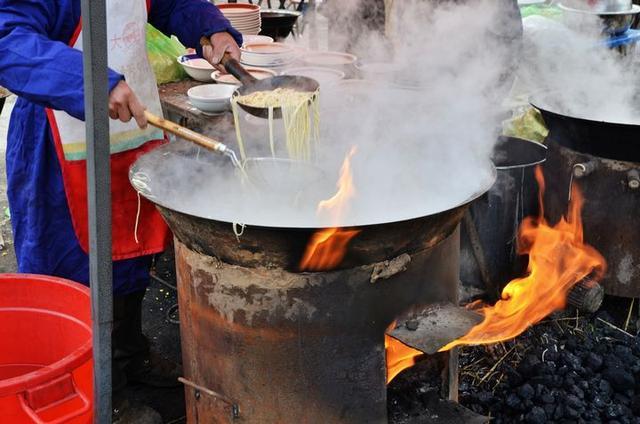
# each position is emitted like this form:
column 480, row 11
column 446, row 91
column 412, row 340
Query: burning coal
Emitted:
column 558, row 260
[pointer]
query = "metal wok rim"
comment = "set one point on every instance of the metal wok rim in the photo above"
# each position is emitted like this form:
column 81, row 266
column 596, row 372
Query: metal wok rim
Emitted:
column 477, row 194
column 635, row 9
column 538, row 103
column 526, row 165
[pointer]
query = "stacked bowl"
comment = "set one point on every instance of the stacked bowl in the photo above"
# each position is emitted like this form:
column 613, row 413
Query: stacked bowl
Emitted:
column 243, row 17
column 267, row 54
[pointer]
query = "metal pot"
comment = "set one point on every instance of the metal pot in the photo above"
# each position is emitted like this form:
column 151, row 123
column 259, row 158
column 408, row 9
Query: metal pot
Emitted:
column 278, row 23
column 489, row 257
column 614, row 22
column 600, row 6
column 611, row 140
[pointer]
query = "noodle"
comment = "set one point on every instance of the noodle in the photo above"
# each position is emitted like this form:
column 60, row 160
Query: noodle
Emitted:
column 236, row 122
column 300, row 115
column 271, row 142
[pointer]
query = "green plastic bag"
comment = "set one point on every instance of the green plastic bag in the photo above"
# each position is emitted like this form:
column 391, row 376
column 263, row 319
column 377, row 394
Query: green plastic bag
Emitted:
column 163, row 53
column 529, row 126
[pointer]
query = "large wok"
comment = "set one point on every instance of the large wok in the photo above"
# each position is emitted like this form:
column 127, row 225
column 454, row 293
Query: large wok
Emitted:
column 267, row 240
column 611, row 140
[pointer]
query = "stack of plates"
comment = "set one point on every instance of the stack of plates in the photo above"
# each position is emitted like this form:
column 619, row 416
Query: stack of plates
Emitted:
column 243, row 17
column 267, row 54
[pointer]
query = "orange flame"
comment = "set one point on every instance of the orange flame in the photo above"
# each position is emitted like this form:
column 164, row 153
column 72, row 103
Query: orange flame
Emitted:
column 399, row 356
column 336, row 207
column 327, row 248
column 558, row 260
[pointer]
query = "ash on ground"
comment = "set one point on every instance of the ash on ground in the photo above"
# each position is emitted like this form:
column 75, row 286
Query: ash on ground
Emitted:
column 563, row 370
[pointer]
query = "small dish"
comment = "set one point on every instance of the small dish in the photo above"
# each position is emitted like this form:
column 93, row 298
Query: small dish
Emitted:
column 211, row 98
column 196, row 67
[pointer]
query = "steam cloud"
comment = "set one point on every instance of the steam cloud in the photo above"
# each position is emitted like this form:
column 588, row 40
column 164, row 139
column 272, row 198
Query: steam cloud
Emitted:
column 575, row 72
column 424, row 122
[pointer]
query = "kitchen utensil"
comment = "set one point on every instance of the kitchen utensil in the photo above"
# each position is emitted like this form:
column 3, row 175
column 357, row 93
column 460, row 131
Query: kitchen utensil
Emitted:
column 259, row 171
column 211, row 98
column 196, row 67
column 278, row 23
column 194, row 137
column 250, row 84
column 612, row 22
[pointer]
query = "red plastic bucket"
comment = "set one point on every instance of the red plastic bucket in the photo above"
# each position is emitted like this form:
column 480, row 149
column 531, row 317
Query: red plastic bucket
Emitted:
column 46, row 365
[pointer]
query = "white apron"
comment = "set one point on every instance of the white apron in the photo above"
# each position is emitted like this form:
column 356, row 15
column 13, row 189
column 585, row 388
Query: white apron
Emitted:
column 126, row 20
column 126, row 42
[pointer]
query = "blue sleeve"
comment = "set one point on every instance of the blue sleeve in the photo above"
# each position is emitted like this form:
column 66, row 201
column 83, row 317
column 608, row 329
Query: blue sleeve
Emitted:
column 35, row 66
column 189, row 20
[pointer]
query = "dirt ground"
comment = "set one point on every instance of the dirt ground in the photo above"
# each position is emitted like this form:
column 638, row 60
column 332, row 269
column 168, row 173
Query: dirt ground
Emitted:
column 7, row 255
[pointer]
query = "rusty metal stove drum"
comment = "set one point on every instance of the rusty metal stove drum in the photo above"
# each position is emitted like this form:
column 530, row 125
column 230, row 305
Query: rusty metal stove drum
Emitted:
column 603, row 158
column 265, row 343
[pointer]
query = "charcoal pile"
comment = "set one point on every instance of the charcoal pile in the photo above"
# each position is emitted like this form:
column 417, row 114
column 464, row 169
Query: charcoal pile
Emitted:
column 564, row 370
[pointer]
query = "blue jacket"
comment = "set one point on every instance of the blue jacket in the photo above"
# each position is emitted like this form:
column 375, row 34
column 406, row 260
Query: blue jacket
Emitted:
column 37, row 64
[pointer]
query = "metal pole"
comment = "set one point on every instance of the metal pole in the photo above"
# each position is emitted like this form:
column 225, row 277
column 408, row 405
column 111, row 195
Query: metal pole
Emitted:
column 94, row 45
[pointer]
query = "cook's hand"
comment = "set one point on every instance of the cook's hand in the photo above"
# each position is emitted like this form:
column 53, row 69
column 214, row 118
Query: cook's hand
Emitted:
column 221, row 43
column 123, row 105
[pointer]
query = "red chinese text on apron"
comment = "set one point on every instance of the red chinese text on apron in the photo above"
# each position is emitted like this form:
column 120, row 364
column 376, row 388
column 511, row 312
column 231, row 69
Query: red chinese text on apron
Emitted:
column 127, row 55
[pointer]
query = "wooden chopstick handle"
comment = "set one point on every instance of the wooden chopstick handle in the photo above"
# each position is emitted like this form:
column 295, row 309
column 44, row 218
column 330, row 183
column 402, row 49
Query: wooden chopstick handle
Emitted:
column 185, row 133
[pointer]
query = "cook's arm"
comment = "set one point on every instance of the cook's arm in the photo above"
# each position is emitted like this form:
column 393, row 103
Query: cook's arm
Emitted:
column 32, row 65
column 190, row 20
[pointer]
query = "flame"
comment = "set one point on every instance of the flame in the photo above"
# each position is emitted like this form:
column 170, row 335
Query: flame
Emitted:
column 336, row 206
column 327, row 248
column 558, row 260
column 399, row 356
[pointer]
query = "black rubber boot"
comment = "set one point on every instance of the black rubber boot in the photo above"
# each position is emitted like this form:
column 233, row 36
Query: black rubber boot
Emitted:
column 132, row 360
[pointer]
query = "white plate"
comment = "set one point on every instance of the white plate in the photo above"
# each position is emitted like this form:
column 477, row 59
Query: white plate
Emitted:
column 252, row 39
column 322, row 75
column 267, row 48
column 330, row 59
column 271, row 64
column 239, row 9
column 259, row 73
column 267, row 54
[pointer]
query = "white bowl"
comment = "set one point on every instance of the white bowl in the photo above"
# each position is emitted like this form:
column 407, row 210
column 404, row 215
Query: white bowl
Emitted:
column 267, row 54
column 196, row 67
column 252, row 39
column 211, row 98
